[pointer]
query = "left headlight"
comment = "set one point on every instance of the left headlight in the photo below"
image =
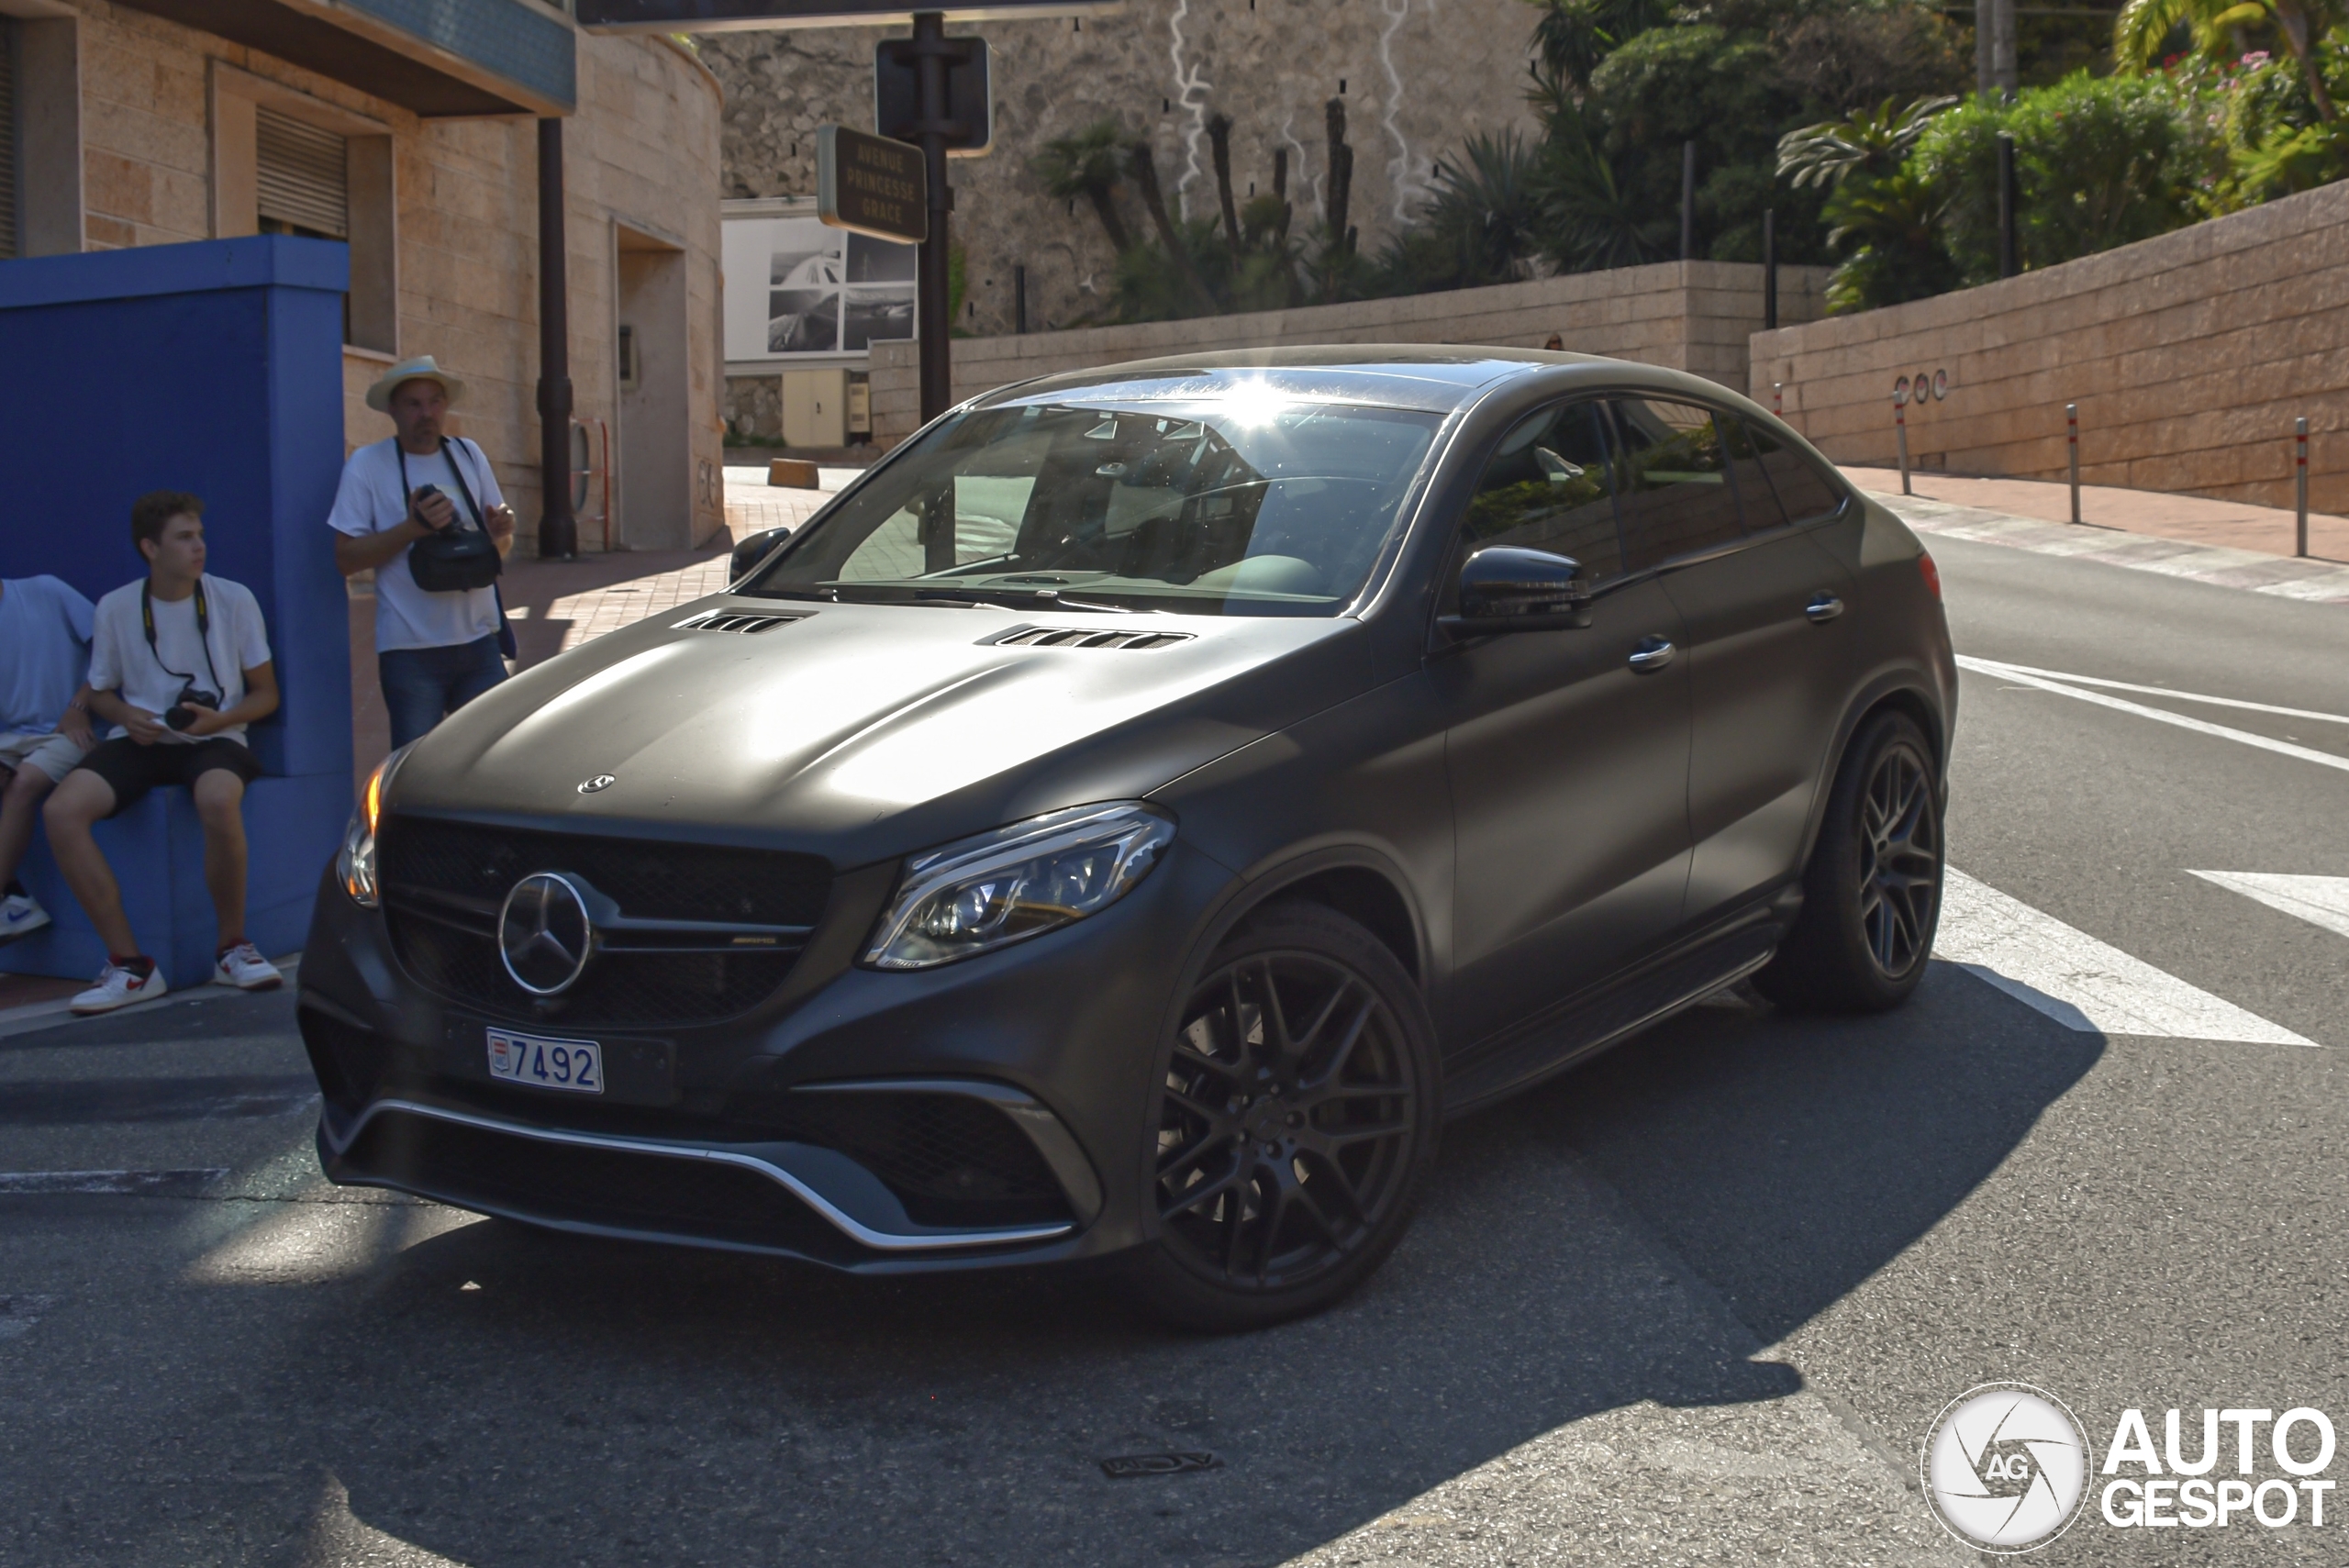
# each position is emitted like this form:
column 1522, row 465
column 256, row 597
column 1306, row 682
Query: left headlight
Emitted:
column 1017, row 882
column 354, row 866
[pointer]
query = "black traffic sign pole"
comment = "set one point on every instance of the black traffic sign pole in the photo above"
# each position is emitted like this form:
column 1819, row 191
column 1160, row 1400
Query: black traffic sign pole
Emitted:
column 931, row 54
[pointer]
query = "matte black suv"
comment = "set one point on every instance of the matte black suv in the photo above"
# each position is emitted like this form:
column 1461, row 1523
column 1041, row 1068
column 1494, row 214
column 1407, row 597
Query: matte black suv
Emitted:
column 1130, row 821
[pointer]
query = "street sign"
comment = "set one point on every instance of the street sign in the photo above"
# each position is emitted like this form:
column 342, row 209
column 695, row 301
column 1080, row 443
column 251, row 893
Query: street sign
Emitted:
column 737, row 15
column 870, row 185
column 970, row 98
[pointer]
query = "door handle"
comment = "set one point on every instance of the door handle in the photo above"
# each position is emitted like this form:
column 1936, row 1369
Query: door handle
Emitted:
column 1653, row 654
column 1823, row 607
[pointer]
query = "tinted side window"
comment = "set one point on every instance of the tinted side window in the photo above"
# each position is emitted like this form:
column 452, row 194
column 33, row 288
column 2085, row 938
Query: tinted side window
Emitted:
column 1754, row 493
column 1802, row 490
column 1675, row 482
column 1547, row 488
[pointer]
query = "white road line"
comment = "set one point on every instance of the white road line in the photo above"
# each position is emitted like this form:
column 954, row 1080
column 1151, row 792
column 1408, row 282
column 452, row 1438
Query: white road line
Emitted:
column 136, row 1184
column 2000, row 665
column 2282, row 748
column 2320, row 900
column 2079, row 982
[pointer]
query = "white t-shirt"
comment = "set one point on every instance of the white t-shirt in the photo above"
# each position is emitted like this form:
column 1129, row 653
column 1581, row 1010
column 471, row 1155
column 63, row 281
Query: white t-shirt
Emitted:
column 120, row 661
column 371, row 500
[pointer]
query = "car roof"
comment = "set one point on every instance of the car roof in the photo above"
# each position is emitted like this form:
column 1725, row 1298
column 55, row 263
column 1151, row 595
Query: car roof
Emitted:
column 1438, row 378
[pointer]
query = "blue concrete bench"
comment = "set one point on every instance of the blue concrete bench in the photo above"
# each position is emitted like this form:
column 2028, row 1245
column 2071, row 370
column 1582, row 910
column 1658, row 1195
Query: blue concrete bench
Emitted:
column 157, row 851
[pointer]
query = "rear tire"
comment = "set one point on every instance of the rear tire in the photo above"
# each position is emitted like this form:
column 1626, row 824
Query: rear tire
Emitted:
column 1293, row 1119
column 1872, row 894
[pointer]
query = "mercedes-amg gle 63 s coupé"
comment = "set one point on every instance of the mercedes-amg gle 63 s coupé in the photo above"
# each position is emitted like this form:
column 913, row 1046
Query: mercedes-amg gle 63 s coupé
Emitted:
column 1128, row 821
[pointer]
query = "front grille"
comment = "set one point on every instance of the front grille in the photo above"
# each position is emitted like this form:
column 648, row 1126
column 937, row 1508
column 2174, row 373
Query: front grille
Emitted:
column 703, row 1199
column 618, row 989
column 648, row 880
column 951, row 1159
column 444, row 883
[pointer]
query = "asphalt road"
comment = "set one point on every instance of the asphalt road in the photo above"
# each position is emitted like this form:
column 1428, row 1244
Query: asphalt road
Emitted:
column 1696, row 1303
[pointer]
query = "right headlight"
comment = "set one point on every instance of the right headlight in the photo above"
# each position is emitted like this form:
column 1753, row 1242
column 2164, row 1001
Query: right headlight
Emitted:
column 354, row 866
column 1017, row 882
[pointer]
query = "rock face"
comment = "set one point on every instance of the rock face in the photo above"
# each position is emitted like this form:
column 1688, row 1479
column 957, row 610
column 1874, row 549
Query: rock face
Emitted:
column 1417, row 77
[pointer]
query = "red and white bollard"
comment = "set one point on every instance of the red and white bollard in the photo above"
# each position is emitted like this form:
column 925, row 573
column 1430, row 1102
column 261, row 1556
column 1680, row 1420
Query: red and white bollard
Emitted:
column 2301, row 485
column 1779, row 398
column 1900, row 430
column 2072, row 442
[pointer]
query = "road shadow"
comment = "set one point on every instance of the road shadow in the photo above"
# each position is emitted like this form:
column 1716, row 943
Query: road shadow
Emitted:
column 498, row 1396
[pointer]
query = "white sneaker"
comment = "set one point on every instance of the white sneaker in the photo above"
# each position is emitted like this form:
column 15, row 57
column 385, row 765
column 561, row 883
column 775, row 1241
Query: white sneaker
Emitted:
column 243, row 967
column 118, row 987
column 20, row 916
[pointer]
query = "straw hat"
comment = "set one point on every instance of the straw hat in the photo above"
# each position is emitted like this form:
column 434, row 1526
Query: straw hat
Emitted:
column 422, row 368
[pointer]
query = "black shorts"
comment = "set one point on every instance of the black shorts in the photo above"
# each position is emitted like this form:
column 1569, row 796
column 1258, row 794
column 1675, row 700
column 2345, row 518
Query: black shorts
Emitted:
column 132, row 770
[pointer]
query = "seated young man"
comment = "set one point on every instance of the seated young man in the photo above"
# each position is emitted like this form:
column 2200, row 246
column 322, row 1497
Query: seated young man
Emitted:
column 180, row 664
column 44, row 728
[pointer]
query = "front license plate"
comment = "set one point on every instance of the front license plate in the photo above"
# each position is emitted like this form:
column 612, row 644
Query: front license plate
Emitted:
column 573, row 1065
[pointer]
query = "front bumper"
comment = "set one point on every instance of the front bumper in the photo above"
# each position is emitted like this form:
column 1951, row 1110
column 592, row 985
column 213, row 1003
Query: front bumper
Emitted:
column 988, row 1112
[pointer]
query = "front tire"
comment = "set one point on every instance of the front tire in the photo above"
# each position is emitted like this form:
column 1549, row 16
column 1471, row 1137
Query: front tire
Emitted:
column 1293, row 1121
column 1872, row 894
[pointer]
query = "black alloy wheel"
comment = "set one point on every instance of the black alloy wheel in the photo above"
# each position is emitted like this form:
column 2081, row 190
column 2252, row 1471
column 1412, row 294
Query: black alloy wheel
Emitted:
column 1872, row 894
column 1296, row 1115
column 1900, row 861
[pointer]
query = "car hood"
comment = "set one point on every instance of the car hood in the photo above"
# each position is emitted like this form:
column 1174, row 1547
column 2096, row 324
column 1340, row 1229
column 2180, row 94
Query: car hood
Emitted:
column 861, row 732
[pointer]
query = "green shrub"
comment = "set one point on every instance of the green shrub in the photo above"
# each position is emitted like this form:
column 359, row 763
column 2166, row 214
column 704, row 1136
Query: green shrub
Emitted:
column 2099, row 162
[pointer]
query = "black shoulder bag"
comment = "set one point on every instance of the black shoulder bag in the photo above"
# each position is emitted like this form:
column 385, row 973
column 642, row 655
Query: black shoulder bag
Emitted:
column 456, row 558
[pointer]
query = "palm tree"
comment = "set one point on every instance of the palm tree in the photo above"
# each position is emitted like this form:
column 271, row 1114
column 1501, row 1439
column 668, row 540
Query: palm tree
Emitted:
column 1088, row 164
column 1592, row 222
column 1573, row 36
column 1487, row 215
column 2145, row 25
column 1872, row 145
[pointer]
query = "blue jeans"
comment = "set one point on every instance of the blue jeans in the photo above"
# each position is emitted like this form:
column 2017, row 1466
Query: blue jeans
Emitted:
column 424, row 685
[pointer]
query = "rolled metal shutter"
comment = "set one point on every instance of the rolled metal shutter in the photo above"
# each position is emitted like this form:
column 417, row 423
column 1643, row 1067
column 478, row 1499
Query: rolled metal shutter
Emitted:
column 9, row 249
column 303, row 175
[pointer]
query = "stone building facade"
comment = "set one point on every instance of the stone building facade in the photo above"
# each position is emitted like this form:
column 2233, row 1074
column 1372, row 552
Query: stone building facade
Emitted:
column 1417, row 77
column 143, row 131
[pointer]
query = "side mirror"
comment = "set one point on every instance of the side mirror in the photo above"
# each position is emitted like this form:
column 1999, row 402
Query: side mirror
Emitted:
column 752, row 551
column 1507, row 589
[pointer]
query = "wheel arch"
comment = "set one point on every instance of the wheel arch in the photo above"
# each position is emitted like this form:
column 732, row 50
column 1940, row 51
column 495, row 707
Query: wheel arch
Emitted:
column 1898, row 693
column 1355, row 881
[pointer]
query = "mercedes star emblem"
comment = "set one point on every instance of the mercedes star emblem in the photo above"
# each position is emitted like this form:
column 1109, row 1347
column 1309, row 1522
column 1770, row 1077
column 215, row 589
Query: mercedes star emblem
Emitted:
column 600, row 781
column 543, row 933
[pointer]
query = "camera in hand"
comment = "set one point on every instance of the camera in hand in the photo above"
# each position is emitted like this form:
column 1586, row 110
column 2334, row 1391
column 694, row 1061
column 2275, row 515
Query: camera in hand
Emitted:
column 181, row 714
column 417, row 499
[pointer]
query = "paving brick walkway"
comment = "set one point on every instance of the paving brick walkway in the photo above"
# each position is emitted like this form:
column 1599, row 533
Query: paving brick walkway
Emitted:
column 2192, row 519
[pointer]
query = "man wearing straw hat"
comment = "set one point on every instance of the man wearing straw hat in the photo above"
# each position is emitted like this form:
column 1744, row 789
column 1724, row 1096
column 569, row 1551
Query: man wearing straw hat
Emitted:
column 435, row 651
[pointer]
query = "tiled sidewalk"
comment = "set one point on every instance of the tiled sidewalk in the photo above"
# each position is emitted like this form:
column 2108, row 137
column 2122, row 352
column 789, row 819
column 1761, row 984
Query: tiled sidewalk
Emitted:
column 2190, row 519
column 2321, row 582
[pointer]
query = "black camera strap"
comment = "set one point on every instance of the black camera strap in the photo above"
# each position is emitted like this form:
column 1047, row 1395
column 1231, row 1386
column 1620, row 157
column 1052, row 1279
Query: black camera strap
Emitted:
column 203, row 635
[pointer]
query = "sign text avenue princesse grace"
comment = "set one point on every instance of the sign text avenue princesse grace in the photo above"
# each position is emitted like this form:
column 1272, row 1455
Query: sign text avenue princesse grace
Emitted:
column 871, row 185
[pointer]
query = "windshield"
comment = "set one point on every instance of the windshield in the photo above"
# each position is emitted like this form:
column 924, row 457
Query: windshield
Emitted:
column 1223, row 506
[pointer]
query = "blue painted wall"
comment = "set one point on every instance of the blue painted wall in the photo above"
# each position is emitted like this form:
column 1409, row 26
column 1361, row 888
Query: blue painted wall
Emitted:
column 214, row 368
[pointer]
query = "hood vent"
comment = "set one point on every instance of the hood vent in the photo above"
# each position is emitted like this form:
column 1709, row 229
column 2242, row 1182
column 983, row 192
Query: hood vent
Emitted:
column 1083, row 637
column 730, row 620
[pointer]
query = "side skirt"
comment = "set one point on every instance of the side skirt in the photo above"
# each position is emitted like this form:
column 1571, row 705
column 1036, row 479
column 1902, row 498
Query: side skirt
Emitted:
column 1613, row 1012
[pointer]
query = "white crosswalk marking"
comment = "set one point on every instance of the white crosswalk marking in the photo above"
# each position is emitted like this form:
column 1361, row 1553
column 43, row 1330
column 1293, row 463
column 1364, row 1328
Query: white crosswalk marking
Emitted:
column 2078, row 981
column 2320, row 900
column 2244, row 736
column 2099, row 681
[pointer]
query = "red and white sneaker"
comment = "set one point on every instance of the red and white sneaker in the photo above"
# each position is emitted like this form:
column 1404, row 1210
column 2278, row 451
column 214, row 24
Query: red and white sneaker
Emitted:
column 243, row 967
column 118, row 987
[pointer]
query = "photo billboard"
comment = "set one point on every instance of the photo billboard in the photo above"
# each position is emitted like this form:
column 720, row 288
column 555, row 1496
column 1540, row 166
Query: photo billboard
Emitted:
column 795, row 287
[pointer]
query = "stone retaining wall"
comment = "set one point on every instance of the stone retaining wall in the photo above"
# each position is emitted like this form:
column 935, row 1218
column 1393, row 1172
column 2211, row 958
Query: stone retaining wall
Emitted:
column 2189, row 355
column 1693, row 315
